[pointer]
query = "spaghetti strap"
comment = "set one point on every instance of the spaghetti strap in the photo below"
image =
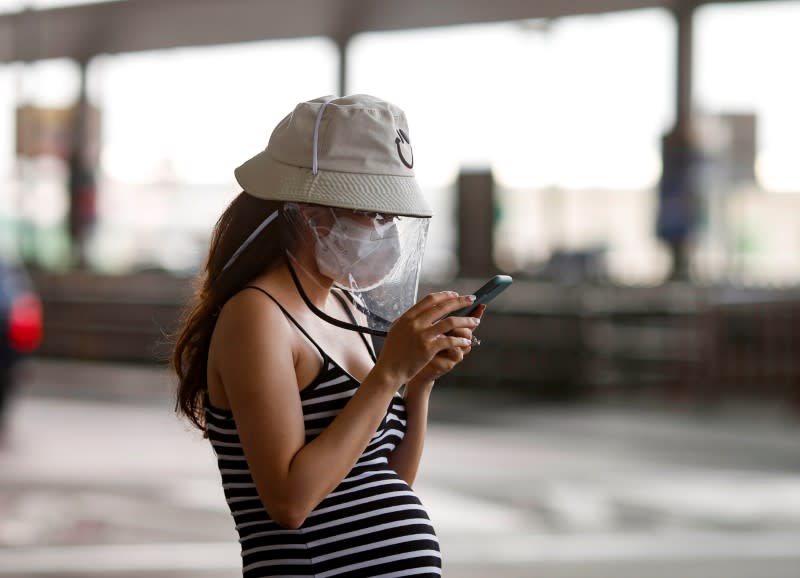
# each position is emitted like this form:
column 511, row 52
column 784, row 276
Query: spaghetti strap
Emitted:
column 325, row 357
column 352, row 317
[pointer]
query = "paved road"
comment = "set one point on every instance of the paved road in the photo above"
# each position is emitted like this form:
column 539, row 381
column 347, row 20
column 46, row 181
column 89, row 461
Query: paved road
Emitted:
column 97, row 478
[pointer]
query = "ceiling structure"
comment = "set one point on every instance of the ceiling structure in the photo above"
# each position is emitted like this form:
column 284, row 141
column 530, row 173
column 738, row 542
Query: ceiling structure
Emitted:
column 83, row 31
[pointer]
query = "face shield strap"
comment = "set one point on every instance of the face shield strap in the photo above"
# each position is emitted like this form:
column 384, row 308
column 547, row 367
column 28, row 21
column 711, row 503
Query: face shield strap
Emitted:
column 328, row 318
column 264, row 224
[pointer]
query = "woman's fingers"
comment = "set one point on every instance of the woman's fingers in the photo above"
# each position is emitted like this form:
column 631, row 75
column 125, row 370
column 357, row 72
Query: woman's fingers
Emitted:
column 450, row 324
column 462, row 332
column 434, row 306
column 446, row 360
column 425, row 335
column 469, row 328
column 443, row 342
column 445, row 307
column 455, row 354
column 430, row 302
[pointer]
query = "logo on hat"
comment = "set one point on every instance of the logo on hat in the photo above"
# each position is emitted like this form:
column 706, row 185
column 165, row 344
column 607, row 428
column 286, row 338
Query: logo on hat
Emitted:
column 403, row 137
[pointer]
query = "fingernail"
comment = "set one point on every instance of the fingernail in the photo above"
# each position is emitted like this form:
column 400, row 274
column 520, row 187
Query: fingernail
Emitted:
column 470, row 298
column 476, row 321
column 466, row 342
column 452, row 294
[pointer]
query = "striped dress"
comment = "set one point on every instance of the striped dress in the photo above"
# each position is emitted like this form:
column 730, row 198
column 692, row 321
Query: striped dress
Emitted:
column 371, row 525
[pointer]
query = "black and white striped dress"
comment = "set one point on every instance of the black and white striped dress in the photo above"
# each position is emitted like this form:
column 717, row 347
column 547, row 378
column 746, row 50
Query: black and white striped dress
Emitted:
column 371, row 525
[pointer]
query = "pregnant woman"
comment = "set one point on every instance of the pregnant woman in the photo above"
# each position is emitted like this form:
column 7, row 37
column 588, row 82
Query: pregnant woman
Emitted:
column 318, row 438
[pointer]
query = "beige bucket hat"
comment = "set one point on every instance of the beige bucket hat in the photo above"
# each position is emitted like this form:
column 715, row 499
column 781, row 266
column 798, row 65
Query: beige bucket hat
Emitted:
column 351, row 152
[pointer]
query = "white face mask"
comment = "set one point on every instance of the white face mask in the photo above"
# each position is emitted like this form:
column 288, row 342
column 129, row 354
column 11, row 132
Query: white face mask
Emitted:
column 358, row 256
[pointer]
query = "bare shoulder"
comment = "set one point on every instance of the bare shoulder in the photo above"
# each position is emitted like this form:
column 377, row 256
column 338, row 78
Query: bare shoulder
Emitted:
column 252, row 339
column 250, row 311
column 253, row 358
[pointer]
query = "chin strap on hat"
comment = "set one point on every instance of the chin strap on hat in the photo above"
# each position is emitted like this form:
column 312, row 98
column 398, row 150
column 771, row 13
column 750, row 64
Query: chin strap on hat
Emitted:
column 315, row 144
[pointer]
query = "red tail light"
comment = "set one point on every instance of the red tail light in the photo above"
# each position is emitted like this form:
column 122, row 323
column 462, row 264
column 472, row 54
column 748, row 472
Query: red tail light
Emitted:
column 25, row 323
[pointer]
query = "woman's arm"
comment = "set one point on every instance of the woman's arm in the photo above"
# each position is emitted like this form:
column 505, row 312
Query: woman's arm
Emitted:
column 406, row 456
column 256, row 366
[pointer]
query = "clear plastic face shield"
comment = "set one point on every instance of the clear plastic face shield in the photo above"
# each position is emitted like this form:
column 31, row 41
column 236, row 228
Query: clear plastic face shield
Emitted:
column 373, row 260
column 370, row 260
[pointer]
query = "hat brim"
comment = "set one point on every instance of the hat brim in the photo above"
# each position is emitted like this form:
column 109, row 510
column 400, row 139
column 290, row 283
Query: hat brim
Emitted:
column 265, row 178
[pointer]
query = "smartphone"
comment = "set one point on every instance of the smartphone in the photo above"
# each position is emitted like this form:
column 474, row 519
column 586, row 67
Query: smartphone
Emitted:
column 489, row 291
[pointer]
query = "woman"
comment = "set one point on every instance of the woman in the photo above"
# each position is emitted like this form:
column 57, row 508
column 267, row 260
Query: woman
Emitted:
column 316, row 447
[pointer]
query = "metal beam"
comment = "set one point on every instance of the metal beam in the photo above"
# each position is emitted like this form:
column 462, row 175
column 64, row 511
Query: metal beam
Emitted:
column 82, row 31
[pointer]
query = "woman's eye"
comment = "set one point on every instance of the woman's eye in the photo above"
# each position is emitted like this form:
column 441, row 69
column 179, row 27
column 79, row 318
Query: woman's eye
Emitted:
column 378, row 217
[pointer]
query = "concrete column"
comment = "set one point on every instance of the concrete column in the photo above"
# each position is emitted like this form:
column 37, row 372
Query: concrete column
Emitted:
column 679, row 186
column 342, row 44
column 684, row 16
column 82, row 186
column 476, row 224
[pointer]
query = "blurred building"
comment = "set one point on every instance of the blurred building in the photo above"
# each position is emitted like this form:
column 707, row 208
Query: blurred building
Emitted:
column 613, row 142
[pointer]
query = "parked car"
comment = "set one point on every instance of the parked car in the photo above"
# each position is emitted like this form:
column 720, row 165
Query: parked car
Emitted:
column 20, row 321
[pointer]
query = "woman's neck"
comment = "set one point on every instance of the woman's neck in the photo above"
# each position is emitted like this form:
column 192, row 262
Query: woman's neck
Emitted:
column 315, row 285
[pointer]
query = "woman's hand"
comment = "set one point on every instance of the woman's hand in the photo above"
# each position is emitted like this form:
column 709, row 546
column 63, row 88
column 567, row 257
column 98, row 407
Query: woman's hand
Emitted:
column 444, row 361
column 422, row 333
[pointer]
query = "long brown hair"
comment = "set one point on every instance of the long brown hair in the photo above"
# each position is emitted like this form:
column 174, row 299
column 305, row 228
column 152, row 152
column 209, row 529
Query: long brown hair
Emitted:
column 213, row 288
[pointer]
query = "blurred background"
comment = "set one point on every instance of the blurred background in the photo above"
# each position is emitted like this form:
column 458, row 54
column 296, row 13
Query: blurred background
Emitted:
column 634, row 408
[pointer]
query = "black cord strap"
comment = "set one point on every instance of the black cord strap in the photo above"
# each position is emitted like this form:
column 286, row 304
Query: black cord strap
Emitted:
column 328, row 318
